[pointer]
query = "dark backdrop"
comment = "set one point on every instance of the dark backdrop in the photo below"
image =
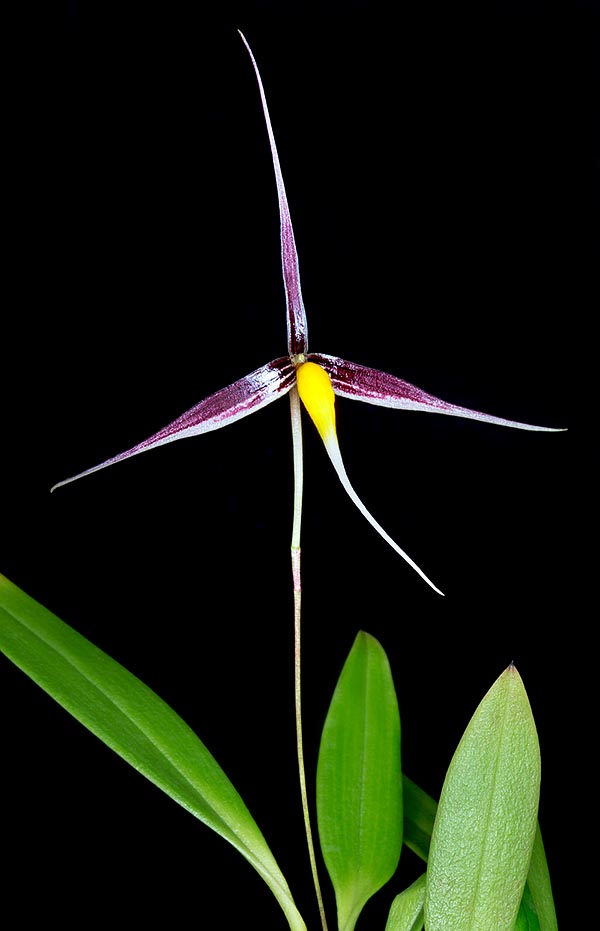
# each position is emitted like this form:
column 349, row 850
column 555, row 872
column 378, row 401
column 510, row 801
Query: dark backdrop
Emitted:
column 440, row 176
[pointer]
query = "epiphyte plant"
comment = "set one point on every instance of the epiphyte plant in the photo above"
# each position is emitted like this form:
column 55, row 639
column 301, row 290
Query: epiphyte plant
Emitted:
column 314, row 378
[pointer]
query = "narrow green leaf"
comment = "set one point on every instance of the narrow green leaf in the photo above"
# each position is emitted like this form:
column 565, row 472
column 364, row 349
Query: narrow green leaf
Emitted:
column 486, row 821
column 527, row 919
column 137, row 724
column 540, row 887
column 406, row 913
column 359, row 785
column 419, row 817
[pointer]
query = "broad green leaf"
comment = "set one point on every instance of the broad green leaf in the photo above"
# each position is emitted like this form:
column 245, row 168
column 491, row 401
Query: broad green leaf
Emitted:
column 359, row 784
column 419, row 817
column 486, row 820
column 137, row 724
column 406, row 913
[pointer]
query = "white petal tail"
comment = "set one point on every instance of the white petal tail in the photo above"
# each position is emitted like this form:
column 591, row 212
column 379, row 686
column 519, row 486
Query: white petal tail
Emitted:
column 333, row 451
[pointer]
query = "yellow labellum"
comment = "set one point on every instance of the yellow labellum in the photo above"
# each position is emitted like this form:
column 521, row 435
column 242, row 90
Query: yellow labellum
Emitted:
column 316, row 393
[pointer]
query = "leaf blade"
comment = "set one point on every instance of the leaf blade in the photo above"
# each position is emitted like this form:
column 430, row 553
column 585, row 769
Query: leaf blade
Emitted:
column 132, row 720
column 486, row 821
column 540, row 887
column 406, row 913
column 359, row 783
column 419, row 817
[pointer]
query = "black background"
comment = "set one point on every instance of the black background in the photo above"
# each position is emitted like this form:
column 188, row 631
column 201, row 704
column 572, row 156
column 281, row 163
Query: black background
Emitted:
column 440, row 173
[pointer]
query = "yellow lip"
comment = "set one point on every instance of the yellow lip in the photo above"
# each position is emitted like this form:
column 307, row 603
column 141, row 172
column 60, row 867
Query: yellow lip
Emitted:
column 316, row 393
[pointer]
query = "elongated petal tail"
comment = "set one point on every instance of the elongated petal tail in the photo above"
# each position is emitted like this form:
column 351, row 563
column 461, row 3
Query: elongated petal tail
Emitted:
column 361, row 383
column 316, row 392
column 296, row 315
column 238, row 400
column 333, row 450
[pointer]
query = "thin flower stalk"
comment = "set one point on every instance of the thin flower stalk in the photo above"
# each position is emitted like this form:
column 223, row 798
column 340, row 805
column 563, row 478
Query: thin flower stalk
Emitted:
column 296, row 418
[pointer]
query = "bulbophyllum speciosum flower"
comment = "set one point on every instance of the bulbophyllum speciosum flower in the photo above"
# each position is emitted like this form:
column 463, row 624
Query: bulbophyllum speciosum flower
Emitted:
column 315, row 377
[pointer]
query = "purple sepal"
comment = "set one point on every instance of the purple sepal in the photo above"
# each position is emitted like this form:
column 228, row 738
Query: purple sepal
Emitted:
column 297, row 329
column 238, row 400
column 361, row 383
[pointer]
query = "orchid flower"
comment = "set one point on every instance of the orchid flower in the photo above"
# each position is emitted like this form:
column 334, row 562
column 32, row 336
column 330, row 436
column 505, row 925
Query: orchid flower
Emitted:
column 315, row 377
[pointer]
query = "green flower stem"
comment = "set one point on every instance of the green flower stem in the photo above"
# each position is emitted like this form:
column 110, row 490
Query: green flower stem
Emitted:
column 295, row 549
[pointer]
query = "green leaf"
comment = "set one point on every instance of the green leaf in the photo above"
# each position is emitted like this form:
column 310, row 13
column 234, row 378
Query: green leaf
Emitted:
column 527, row 919
column 419, row 817
column 359, row 784
column 137, row 724
column 540, row 888
column 406, row 913
column 486, row 821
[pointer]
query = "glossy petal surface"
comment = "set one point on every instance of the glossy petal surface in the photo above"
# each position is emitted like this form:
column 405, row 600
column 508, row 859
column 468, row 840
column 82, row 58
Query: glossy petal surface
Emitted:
column 361, row 383
column 243, row 397
column 296, row 315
